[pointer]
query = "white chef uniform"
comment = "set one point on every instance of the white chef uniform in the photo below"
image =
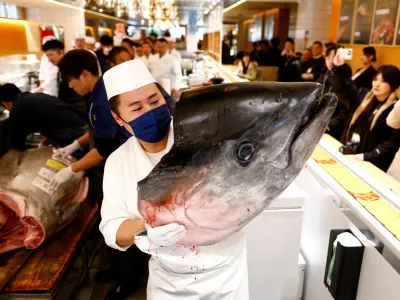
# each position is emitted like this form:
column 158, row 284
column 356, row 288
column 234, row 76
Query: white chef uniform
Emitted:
column 48, row 73
column 175, row 53
column 167, row 71
column 216, row 272
column 147, row 60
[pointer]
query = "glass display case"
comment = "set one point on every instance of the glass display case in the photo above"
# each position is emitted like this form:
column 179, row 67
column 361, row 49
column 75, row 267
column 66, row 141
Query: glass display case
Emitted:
column 22, row 70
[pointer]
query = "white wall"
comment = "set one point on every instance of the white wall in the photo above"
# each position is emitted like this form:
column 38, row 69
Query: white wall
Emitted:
column 73, row 21
column 314, row 16
column 213, row 21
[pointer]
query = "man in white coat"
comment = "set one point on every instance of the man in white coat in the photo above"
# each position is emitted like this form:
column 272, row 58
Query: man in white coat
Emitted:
column 172, row 50
column 48, row 73
column 138, row 105
column 166, row 70
column 147, row 57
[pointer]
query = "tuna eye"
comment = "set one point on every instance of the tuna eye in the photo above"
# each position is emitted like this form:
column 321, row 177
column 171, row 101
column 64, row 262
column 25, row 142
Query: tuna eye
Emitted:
column 245, row 152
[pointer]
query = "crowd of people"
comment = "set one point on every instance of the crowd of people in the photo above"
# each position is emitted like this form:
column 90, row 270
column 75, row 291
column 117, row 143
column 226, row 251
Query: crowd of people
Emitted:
column 366, row 119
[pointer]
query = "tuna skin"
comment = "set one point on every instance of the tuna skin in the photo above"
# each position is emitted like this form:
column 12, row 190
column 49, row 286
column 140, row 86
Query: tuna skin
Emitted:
column 237, row 148
column 29, row 215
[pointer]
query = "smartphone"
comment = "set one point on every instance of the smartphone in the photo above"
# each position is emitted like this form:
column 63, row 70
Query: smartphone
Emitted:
column 346, row 53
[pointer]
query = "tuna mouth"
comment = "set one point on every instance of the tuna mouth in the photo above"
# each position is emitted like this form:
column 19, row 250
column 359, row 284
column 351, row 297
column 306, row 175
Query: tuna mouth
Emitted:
column 16, row 229
column 314, row 111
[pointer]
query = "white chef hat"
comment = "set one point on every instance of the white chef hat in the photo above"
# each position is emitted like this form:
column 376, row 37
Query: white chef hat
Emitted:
column 126, row 77
column 90, row 40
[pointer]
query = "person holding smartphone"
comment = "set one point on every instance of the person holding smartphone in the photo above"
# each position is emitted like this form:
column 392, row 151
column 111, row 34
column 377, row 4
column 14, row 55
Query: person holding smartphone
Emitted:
column 288, row 67
column 373, row 139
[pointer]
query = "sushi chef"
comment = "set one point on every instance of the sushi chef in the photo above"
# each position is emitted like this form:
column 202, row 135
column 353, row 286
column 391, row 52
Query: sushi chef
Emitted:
column 137, row 105
column 165, row 68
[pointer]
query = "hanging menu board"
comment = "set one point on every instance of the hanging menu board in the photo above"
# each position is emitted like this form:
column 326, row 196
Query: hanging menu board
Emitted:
column 385, row 22
column 362, row 30
column 346, row 21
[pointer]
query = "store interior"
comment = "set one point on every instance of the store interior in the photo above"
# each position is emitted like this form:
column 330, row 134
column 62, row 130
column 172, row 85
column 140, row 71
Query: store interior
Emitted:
column 314, row 189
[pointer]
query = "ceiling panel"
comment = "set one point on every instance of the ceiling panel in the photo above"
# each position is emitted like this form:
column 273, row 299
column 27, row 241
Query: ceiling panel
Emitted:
column 244, row 10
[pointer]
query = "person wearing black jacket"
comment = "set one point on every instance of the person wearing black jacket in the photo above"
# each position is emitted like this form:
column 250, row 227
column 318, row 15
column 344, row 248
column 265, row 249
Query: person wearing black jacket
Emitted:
column 375, row 141
column 317, row 63
column 363, row 76
column 342, row 112
column 274, row 53
column 288, row 70
column 106, row 42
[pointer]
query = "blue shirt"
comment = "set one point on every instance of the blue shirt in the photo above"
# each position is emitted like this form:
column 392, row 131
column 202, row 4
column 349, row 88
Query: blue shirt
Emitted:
column 103, row 123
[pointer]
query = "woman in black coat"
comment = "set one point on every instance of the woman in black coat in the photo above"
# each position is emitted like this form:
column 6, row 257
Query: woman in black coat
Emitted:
column 376, row 141
column 363, row 76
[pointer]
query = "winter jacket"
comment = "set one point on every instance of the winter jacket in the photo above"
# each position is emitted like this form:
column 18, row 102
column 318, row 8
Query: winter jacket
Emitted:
column 381, row 142
column 341, row 115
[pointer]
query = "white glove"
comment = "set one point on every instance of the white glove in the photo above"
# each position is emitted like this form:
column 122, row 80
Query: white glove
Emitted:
column 61, row 177
column 68, row 150
column 166, row 235
column 41, row 145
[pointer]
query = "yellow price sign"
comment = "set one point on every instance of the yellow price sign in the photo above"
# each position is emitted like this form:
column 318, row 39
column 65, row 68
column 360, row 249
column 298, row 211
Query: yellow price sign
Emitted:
column 55, row 164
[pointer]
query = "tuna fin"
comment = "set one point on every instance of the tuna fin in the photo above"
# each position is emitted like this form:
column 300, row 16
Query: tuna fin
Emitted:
column 10, row 162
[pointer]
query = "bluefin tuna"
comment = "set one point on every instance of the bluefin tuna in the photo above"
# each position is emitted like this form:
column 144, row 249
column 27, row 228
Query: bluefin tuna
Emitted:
column 29, row 212
column 237, row 147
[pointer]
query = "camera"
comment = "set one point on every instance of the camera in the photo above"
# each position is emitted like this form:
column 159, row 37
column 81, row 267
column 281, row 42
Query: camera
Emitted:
column 346, row 53
column 349, row 148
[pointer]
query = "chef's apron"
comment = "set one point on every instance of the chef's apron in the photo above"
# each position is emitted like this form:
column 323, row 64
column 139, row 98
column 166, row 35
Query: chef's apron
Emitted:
column 215, row 272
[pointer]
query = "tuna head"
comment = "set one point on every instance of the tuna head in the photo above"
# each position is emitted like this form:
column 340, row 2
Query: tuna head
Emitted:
column 237, row 147
column 29, row 213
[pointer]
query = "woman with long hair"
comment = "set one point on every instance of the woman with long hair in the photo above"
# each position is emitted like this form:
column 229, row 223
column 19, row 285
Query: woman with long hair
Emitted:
column 368, row 131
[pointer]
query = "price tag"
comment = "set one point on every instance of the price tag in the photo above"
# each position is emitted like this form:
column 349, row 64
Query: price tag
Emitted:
column 55, row 164
column 42, row 184
column 46, row 174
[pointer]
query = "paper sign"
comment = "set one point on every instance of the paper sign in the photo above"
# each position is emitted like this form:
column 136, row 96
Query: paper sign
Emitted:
column 46, row 174
column 64, row 161
column 55, row 164
column 42, row 184
column 192, row 21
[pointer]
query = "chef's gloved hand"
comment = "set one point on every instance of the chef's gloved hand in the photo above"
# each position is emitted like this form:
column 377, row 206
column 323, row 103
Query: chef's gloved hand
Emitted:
column 166, row 235
column 68, row 150
column 61, row 177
